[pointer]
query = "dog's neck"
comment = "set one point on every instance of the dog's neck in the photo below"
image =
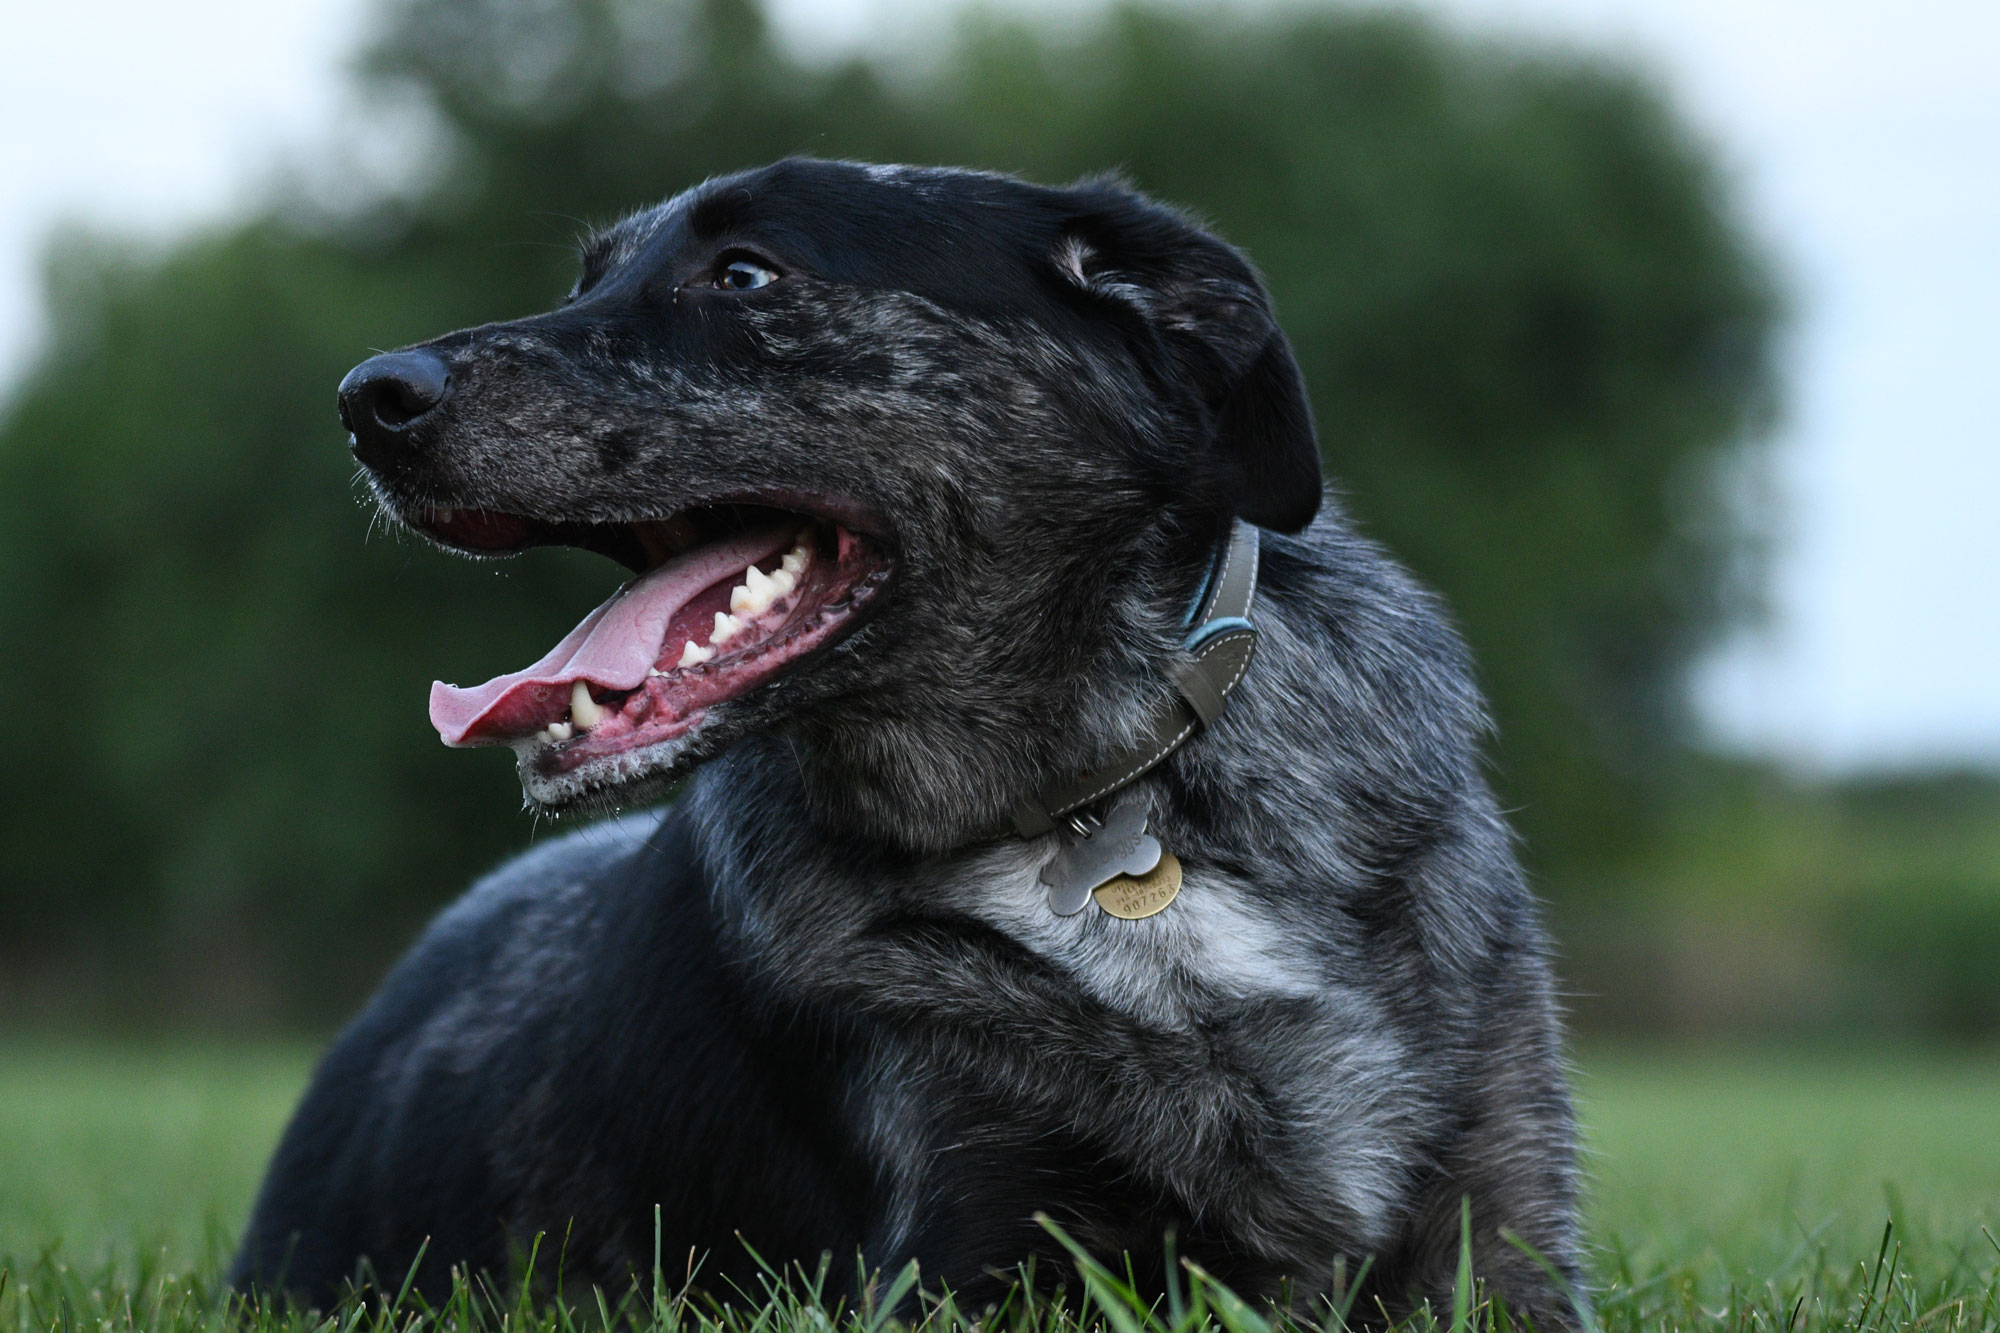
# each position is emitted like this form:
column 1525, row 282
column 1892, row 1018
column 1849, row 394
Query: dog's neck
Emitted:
column 1217, row 648
column 923, row 765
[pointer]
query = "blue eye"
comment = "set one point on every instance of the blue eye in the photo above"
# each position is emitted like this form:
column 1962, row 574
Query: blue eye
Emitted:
column 743, row 275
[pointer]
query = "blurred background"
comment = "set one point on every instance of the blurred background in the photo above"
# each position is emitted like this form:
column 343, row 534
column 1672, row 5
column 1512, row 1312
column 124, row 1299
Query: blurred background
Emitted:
column 1657, row 335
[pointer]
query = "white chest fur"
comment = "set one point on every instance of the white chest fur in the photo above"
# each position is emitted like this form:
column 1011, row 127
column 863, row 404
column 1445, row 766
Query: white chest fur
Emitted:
column 1213, row 942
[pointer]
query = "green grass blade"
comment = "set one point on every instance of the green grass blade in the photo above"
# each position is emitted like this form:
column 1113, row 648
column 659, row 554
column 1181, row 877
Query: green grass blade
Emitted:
column 1461, row 1286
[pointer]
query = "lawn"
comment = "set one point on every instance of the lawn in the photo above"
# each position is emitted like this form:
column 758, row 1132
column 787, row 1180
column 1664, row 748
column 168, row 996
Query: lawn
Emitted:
column 1726, row 1187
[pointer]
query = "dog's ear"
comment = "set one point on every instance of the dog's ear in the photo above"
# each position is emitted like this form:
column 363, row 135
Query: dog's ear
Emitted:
column 1207, row 319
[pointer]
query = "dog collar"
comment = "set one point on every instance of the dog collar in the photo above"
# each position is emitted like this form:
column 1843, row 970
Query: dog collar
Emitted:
column 1220, row 641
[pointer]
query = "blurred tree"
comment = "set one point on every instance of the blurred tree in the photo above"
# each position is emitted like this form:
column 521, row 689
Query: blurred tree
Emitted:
column 1535, row 339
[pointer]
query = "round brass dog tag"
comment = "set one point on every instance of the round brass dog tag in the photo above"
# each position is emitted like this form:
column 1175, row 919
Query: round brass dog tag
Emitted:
column 1133, row 897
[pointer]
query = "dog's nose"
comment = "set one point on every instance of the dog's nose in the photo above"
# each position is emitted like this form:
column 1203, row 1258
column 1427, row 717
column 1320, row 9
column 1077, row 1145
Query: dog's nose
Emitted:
column 384, row 397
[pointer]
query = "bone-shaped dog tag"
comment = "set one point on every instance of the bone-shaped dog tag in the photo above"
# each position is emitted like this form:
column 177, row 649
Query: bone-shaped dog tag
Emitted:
column 1119, row 846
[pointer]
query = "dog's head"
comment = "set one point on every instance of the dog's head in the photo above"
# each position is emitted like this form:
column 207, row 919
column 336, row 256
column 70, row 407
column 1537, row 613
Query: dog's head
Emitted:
column 921, row 464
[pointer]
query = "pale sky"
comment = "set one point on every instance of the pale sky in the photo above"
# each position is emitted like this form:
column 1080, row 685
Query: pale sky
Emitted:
column 1864, row 141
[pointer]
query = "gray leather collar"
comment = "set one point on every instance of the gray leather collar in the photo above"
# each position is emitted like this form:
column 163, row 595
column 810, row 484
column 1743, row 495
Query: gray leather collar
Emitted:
column 1220, row 642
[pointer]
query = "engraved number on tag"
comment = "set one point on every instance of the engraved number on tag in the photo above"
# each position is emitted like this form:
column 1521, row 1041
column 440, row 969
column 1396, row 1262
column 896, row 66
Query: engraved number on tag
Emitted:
column 1120, row 846
column 1136, row 897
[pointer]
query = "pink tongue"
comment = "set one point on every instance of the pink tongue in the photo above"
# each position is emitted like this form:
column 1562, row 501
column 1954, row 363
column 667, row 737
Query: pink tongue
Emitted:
column 613, row 649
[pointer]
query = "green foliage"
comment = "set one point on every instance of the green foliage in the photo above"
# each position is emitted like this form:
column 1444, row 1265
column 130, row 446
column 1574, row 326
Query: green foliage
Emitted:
column 1866, row 908
column 1744, row 1191
column 1534, row 338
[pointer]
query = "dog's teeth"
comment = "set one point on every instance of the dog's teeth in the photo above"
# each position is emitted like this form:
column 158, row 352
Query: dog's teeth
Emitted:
column 442, row 515
column 754, row 595
column 583, row 709
column 693, row 654
column 782, row 582
column 558, row 731
column 795, row 559
column 656, row 672
column 726, row 626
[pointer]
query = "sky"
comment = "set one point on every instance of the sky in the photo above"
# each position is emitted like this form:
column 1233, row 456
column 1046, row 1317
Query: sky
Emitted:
column 1863, row 141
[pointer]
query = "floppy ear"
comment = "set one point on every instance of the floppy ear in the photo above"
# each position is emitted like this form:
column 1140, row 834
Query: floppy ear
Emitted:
column 1266, row 426
column 1209, row 319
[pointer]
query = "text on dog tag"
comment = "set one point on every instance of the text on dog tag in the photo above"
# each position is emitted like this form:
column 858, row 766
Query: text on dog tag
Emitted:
column 1136, row 897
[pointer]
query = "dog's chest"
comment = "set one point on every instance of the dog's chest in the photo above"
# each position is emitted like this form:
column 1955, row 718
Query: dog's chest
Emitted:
column 1224, row 1025
column 1212, row 944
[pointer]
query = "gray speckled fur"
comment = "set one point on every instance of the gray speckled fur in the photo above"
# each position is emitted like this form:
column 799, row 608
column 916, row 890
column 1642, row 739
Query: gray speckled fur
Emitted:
column 1342, row 1026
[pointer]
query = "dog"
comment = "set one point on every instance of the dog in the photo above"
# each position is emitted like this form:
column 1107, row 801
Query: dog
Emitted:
column 921, row 474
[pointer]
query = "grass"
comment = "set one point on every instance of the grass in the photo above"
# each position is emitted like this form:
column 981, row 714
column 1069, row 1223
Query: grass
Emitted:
column 1734, row 1191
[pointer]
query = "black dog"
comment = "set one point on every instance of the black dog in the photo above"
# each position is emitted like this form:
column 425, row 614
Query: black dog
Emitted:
column 919, row 473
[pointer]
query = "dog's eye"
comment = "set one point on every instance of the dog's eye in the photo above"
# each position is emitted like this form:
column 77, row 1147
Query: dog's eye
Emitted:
column 743, row 275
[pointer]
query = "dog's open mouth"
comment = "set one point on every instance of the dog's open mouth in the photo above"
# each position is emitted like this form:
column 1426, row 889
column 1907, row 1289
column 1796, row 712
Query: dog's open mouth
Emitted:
column 724, row 600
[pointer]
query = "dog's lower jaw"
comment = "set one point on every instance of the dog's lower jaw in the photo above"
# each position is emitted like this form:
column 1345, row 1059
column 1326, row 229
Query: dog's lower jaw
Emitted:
column 617, row 782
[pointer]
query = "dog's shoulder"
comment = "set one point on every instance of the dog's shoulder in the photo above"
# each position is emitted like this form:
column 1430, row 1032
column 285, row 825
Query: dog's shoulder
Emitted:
column 525, row 936
column 550, row 876
column 394, row 1132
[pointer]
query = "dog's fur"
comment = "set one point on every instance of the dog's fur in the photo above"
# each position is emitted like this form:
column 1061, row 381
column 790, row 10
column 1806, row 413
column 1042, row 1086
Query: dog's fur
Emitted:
column 821, row 1003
